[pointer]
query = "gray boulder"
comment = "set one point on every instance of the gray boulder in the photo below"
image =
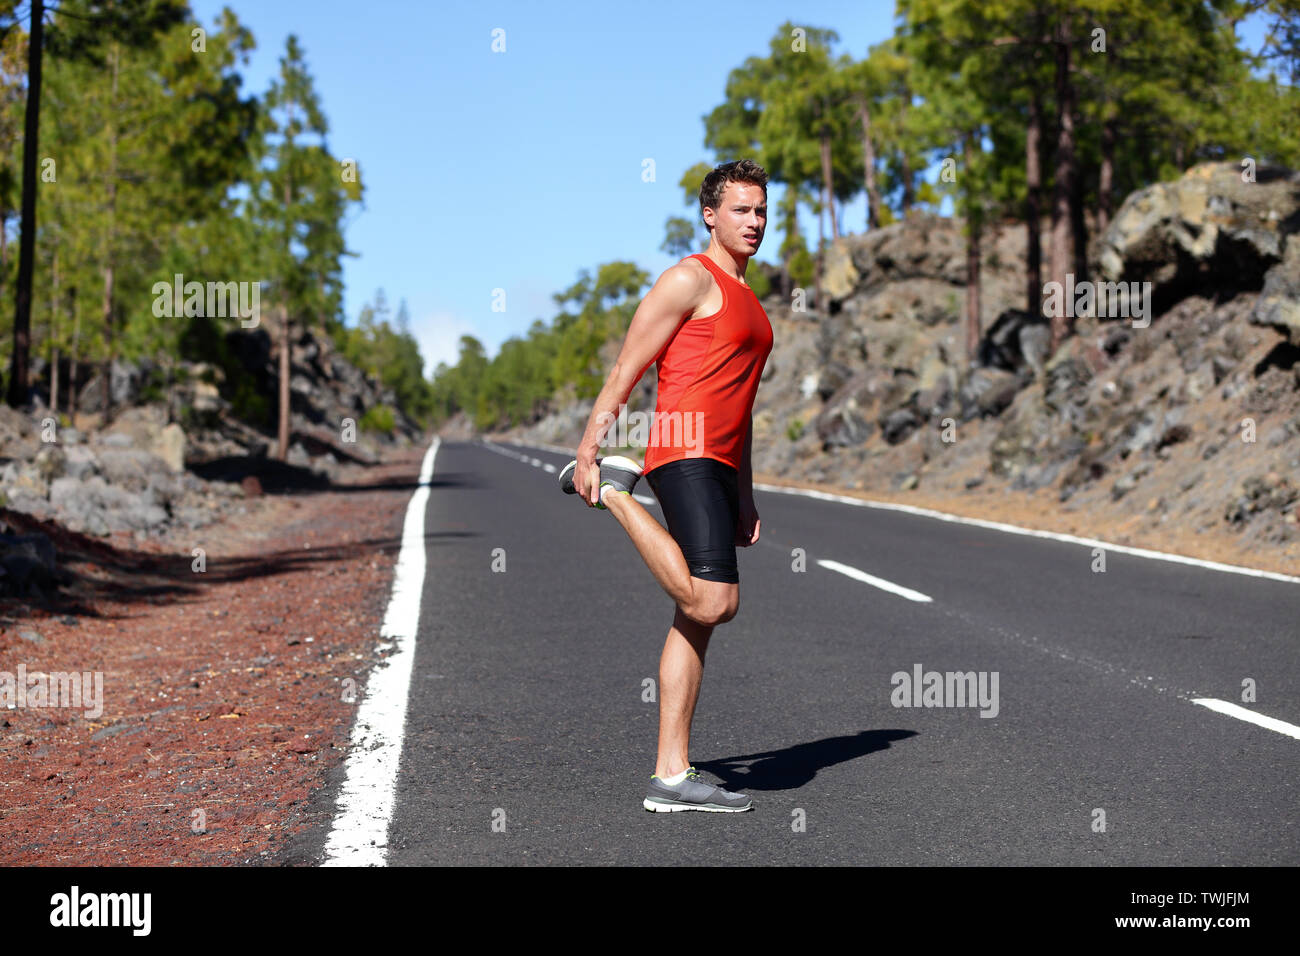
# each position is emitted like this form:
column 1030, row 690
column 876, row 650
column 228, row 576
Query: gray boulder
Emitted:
column 1278, row 305
column 898, row 425
column 987, row 392
column 95, row 507
column 845, row 419
column 1016, row 341
column 1208, row 230
column 80, row 461
column 126, row 380
column 130, row 468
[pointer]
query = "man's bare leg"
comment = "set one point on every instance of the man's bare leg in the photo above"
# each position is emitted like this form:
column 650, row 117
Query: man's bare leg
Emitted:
column 701, row 605
column 703, row 602
column 681, row 670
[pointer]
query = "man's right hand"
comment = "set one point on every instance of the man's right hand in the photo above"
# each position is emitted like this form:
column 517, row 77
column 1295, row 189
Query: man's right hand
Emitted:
column 586, row 479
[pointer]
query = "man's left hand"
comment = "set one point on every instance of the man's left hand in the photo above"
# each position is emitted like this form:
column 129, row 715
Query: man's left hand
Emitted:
column 747, row 527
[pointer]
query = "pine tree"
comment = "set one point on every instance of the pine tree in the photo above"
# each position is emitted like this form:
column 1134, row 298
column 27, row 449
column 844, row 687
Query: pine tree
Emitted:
column 299, row 195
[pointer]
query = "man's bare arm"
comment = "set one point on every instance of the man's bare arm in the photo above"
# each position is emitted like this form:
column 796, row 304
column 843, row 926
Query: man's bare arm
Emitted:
column 677, row 293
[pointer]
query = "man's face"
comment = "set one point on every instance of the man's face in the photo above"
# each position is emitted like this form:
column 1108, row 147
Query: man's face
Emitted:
column 741, row 218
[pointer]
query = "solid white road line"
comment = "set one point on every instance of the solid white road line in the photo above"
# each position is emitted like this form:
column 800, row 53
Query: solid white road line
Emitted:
column 874, row 581
column 359, row 836
column 1014, row 529
column 1241, row 713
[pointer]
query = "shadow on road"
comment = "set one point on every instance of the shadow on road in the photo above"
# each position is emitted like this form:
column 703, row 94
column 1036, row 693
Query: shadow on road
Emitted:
column 795, row 766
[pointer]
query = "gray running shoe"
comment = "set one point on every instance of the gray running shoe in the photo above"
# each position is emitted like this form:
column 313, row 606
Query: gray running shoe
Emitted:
column 693, row 794
column 615, row 470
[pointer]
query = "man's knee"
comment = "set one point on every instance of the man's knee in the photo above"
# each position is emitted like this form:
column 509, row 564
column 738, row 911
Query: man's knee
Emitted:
column 708, row 617
column 715, row 605
column 733, row 605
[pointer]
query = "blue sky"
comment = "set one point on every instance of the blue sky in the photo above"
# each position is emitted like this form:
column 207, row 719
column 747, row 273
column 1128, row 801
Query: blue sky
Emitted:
column 516, row 170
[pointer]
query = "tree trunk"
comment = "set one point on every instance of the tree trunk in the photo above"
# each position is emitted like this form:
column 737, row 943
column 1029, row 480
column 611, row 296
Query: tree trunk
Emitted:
column 909, row 193
column 54, row 332
column 790, row 203
column 817, row 262
column 282, row 451
column 285, row 339
column 869, row 167
column 1078, row 226
column 76, row 344
column 1062, row 255
column 1106, row 180
column 1033, row 212
column 827, row 184
column 1148, row 160
column 282, row 445
column 973, row 227
column 106, row 382
column 27, row 241
column 4, row 245
column 109, row 344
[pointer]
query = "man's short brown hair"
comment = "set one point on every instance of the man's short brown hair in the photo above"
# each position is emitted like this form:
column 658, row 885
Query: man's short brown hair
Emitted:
column 715, row 183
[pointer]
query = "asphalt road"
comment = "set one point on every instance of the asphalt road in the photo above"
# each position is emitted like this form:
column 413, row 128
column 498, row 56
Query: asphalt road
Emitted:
column 528, row 738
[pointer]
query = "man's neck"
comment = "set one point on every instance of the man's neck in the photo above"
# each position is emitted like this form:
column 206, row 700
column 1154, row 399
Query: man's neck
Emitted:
column 734, row 266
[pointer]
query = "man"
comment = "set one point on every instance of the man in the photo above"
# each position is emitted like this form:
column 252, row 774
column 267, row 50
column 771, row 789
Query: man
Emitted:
column 711, row 338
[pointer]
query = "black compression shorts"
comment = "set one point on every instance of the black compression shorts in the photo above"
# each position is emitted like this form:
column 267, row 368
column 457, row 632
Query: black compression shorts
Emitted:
column 701, row 503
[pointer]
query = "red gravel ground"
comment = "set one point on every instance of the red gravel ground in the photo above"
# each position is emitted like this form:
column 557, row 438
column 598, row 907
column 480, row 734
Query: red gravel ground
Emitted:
column 225, row 693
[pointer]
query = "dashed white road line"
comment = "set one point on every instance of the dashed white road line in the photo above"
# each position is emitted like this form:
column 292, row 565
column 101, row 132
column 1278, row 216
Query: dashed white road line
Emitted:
column 1219, row 706
column 874, row 581
column 558, row 449
column 359, row 835
column 1000, row 526
column 546, row 466
column 1241, row 713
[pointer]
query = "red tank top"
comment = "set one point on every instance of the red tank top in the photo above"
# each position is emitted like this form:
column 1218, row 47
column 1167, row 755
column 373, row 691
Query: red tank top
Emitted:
column 708, row 377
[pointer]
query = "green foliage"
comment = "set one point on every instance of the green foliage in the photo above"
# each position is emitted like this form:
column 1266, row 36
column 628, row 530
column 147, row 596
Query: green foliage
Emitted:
column 803, row 269
column 161, row 166
column 794, row 430
column 137, row 194
column 296, row 202
column 758, row 280
column 386, row 350
column 520, row 383
column 154, row 387
column 378, row 418
column 680, row 237
column 595, row 310
column 258, row 196
column 685, row 235
column 251, row 404
column 203, row 340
